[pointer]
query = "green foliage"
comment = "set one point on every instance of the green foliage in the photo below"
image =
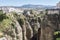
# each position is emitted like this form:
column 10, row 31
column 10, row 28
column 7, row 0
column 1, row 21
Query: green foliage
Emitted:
column 57, row 38
column 3, row 16
column 4, row 21
column 56, row 33
column 5, row 24
column 1, row 12
column 41, row 15
column 15, row 14
column 21, row 19
column 31, row 11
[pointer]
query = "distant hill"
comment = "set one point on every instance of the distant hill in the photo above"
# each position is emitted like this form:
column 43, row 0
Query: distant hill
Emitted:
column 31, row 6
column 37, row 6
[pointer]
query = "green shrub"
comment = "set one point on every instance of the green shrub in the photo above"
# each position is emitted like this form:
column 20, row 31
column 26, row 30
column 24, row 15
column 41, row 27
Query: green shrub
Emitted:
column 56, row 33
column 1, row 12
column 4, row 21
column 5, row 24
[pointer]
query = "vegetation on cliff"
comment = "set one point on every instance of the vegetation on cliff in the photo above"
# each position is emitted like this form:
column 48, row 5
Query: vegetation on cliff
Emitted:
column 25, row 26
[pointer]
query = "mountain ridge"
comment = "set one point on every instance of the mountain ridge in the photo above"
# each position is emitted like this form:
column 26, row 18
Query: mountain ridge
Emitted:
column 32, row 6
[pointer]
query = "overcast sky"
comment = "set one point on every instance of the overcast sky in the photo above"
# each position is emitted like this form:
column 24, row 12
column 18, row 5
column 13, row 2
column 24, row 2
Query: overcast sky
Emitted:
column 23, row 2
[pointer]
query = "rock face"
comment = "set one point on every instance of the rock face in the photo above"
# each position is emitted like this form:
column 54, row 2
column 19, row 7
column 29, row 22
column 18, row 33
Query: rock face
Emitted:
column 32, row 26
column 49, row 25
column 3, row 38
column 29, row 31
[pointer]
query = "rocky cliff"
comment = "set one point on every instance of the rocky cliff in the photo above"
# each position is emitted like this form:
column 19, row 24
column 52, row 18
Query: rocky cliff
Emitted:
column 28, row 27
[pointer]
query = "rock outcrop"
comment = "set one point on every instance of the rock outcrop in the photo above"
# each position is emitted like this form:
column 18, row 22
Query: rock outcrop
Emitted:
column 29, row 27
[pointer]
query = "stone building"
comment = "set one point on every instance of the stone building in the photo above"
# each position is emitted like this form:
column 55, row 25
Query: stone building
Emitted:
column 53, row 11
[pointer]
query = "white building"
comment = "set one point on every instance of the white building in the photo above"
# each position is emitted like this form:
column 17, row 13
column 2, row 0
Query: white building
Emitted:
column 58, row 5
column 15, row 10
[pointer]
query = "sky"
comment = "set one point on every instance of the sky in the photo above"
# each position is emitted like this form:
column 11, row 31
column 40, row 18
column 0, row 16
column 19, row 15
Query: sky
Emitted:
column 25, row 2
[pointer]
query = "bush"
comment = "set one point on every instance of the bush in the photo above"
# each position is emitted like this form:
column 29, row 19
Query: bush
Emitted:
column 4, row 21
